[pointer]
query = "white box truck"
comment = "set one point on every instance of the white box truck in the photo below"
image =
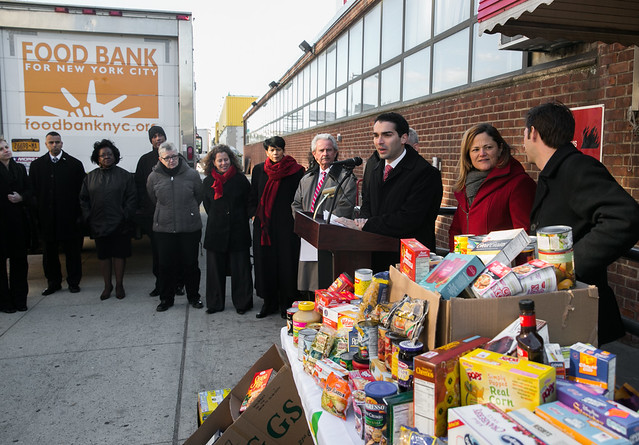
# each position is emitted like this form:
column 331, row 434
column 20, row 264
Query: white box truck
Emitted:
column 94, row 73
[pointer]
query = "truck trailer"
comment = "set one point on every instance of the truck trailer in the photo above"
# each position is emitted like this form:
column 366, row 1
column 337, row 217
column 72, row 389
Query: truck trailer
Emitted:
column 95, row 73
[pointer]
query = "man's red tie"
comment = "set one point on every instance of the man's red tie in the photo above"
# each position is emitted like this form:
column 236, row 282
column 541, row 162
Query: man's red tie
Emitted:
column 387, row 170
column 317, row 190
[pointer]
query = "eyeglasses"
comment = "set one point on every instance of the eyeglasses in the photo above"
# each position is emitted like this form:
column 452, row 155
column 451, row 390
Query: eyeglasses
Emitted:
column 170, row 158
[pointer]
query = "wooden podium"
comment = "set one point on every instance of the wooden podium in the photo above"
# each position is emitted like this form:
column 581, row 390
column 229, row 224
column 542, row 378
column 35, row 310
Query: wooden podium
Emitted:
column 340, row 249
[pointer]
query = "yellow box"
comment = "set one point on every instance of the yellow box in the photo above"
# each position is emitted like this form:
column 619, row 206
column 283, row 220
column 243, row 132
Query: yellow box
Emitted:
column 207, row 401
column 507, row 382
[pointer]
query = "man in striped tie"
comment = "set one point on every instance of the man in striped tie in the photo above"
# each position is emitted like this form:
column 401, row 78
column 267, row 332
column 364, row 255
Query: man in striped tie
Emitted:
column 320, row 176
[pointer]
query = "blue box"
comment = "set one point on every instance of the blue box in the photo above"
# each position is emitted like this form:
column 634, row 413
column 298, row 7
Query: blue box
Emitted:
column 453, row 274
column 578, row 426
column 608, row 413
column 593, row 366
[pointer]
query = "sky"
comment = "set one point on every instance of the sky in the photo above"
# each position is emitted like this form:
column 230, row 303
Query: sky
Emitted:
column 240, row 46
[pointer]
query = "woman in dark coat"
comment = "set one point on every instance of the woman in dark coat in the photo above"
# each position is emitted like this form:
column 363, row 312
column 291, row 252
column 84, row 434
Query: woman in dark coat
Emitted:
column 15, row 192
column 493, row 190
column 108, row 201
column 228, row 237
column 275, row 245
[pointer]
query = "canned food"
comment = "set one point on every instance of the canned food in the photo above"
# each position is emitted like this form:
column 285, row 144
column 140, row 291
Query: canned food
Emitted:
column 363, row 278
column 496, row 281
column 376, row 412
column 460, row 243
column 391, row 337
column 536, row 277
column 341, row 284
column 346, row 360
column 305, row 340
column 289, row 320
column 527, row 254
column 367, row 339
column 554, row 244
column 381, row 341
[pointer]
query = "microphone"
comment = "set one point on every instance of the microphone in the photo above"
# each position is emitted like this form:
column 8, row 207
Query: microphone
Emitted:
column 329, row 191
column 349, row 163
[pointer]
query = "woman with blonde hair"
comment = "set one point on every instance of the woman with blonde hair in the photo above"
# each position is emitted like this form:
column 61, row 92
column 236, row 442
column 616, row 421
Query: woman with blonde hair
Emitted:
column 493, row 191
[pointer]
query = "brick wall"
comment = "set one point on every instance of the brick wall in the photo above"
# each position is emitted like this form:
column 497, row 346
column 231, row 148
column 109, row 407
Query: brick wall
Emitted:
column 602, row 77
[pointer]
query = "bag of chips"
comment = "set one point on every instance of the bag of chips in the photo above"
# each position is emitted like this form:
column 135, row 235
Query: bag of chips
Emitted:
column 335, row 396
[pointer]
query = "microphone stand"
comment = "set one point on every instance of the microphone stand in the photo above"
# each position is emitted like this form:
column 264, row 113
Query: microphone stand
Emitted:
column 349, row 171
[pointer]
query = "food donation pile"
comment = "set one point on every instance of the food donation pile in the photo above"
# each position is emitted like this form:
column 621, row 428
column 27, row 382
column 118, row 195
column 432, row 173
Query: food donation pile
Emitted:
column 368, row 355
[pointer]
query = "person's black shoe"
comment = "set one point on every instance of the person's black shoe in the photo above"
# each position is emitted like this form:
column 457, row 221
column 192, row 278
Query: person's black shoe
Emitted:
column 22, row 309
column 197, row 304
column 74, row 289
column 8, row 310
column 163, row 306
column 264, row 312
column 154, row 293
column 213, row 311
column 241, row 311
column 51, row 289
column 179, row 290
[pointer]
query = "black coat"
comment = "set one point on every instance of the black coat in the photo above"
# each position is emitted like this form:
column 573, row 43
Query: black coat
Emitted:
column 227, row 226
column 56, row 188
column 578, row 191
column 407, row 203
column 142, row 171
column 14, row 218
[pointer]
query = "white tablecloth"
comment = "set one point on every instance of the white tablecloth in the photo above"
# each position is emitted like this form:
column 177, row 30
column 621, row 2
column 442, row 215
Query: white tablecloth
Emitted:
column 326, row 428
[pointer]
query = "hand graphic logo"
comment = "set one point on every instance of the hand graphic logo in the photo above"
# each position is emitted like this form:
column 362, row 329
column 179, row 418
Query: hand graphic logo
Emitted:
column 92, row 108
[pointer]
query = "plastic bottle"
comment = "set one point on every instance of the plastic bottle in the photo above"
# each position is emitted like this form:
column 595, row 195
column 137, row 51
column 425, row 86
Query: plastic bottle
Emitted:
column 305, row 315
column 530, row 345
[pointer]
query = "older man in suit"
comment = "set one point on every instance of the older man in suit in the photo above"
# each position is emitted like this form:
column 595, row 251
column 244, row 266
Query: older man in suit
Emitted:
column 57, row 179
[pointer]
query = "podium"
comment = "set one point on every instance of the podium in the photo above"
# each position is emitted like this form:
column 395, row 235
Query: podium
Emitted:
column 340, row 249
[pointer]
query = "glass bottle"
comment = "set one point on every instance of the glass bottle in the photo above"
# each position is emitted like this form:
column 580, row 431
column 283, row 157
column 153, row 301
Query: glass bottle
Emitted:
column 530, row 345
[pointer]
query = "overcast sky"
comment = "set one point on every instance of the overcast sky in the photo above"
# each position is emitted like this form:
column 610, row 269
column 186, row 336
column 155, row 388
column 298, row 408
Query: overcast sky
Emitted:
column 240, row 45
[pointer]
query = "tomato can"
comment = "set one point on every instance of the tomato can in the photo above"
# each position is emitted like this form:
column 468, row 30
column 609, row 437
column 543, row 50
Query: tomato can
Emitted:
column 555, row 246
column 341, row 284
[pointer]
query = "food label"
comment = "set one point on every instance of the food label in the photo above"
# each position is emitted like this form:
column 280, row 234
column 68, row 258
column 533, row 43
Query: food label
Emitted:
column 297, row 327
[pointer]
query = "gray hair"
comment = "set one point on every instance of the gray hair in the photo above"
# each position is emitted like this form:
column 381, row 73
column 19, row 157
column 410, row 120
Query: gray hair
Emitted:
column 323, row 136
column 166, row 146
column 413, row 139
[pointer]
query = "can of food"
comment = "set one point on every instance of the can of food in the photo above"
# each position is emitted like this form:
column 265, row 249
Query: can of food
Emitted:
column 289, row 320
column 391, row 337
column 360, row 363
column 460, row 243
column 528, row 254
column 376, row 412
column 536, row 277
column 343, row 283
column 305, row 340
column 346, row 360
column 367, row 338
column 554, row 245
column 496, row 281
column 381, row 342
column 363, row 278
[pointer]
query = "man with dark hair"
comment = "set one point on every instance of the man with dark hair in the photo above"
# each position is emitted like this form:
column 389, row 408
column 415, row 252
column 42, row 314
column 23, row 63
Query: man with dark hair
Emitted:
column 146, row 208
column 576, row 190
column 401, row 192
column 57, row 179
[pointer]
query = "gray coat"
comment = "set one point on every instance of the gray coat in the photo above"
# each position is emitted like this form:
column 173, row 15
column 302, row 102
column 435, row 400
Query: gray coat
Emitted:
column 176, row 198
column 307, row 274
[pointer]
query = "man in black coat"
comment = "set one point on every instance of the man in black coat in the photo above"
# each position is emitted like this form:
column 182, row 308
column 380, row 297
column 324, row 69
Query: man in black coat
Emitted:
column 401, row 192
column 144, row 214
column 578, row 191
column 57, row 179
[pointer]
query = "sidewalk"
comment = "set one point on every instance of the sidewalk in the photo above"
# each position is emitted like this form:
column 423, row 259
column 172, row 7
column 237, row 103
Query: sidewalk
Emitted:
column 75, row 370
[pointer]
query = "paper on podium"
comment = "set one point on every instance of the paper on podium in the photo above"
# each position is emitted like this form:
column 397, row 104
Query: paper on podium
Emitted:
column 307, row 251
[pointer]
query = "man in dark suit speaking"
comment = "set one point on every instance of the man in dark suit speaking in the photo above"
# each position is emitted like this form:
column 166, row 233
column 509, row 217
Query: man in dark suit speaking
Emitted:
column 401, row 192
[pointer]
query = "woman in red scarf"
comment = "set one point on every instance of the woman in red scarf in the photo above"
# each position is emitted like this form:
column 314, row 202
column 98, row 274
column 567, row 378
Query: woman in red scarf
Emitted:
column 228, row 238
column 275, row 245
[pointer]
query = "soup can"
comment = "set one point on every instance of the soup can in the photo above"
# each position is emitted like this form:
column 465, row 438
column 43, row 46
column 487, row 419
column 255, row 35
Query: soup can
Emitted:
column 367, row 339
column 305, row 340
column 363, row 278
column 376, row 412
column 555, row 246
column 391, row 338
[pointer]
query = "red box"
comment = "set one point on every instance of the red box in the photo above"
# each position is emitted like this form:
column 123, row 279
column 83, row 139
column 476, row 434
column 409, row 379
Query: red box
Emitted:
column 414, row 259
column 325, row 298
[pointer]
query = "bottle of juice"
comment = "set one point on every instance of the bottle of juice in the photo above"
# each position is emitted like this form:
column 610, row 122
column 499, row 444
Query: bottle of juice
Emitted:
column 530, row 345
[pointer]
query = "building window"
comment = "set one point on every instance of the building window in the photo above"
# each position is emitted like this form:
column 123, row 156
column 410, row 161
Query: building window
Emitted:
column 342, row 59
column 321, row 74
column 313, row 80
column 341, row 104
column 391, row 83
column 450, row 61
column 330, row 107
column 370, row 94
column 488, row 60
column 417, row 22
column 392, row 11
column 371, row 37
column 355, row 50
column 330, row 67
column 417, row 75
column 355, row 98
column 449, row 13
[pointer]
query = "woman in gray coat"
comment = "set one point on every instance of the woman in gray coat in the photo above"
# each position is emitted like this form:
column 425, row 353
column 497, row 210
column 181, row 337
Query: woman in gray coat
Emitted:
column 176, row 191
column 108, row 202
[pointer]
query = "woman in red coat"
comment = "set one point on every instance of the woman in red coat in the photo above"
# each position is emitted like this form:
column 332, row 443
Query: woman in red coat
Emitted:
column 493, row 191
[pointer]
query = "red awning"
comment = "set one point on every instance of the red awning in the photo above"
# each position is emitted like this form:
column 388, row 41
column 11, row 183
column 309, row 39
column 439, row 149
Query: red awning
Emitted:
column 609, row 21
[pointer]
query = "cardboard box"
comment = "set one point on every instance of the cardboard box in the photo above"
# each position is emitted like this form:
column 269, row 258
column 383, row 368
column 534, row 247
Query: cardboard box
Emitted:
column 541, row 429
column 501, row 245
column 593, row 366
column 208, row 401
column 414, row 259
column 276, row 416
column 571, row 315
column 339, row 317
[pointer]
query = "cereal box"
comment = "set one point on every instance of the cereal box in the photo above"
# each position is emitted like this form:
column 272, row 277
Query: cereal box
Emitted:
column 207, row 401
column 414, row 259
column 501, row 245
column 260, row 380
column 608, row 413
column 541, row 429
column 339, row 317
column 505, row 381
column 453, row 275
column 436, row 383
column 325, row 298
column 578, row 426
column 592, row 366
column 496, row 281
column 486, row 425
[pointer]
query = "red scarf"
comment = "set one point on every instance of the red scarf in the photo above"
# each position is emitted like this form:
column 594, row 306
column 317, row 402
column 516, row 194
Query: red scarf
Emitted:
column 286, row 167
column 219, row 180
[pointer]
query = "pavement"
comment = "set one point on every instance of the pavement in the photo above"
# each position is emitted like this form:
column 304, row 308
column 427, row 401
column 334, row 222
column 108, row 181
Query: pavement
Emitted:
column 77, row 370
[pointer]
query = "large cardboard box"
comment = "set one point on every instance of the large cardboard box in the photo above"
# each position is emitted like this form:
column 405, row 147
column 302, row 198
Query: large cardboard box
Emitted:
column 571, row 314
column 276, row 416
